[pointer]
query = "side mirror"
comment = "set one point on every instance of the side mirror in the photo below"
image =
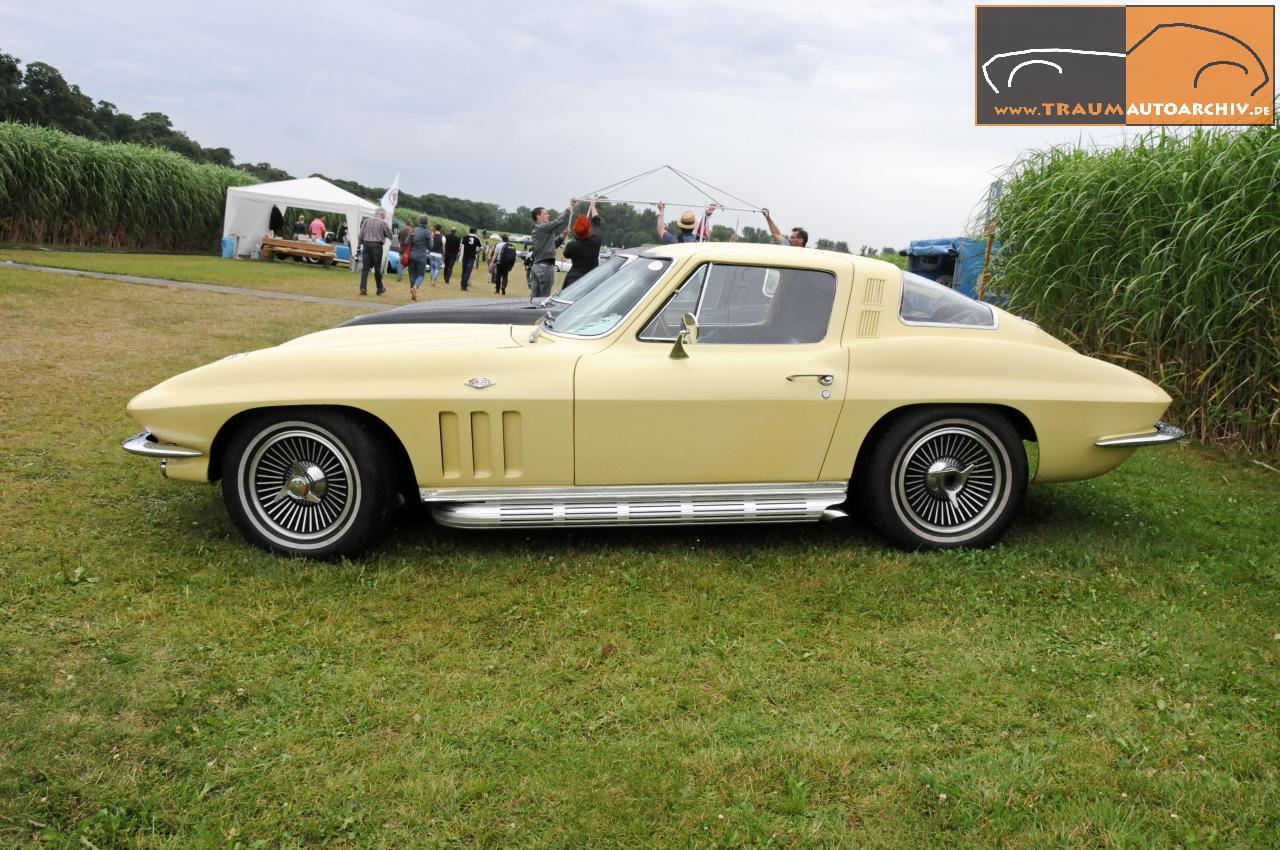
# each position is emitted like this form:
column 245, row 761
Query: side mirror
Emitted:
column 690, row 327
column 688, row 335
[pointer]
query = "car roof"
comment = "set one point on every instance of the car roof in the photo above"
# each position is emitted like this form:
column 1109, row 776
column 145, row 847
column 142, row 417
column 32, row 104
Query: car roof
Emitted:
column 754, row 252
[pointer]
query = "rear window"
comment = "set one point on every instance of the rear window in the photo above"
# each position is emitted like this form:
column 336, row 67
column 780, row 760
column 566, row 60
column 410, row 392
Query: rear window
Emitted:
column 925, row 302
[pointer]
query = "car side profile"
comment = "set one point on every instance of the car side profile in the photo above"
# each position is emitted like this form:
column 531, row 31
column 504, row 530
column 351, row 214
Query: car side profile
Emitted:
column 699, row 383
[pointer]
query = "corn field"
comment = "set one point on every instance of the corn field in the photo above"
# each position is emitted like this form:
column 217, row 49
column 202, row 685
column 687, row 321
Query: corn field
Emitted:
column 64, row 189
column 1162, row 256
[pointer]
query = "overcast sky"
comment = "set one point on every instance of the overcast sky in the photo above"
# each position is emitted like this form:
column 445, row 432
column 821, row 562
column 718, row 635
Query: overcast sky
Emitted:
column 854, row 120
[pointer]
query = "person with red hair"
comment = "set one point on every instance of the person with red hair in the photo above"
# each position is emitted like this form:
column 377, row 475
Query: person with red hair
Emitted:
column 583, row 251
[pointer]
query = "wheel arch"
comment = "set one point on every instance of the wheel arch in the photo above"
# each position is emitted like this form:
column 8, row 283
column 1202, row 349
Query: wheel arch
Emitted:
column 1016, row 418
column 406, row 479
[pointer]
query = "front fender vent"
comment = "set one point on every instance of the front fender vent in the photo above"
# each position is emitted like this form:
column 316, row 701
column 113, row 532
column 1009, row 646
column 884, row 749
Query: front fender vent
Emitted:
column 472, row 448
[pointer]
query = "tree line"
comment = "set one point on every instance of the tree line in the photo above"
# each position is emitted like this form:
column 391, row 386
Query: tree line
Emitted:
column 39, row 95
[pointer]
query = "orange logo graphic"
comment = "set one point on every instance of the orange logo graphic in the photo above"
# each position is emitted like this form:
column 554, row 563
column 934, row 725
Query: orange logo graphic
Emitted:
column 1216, row 61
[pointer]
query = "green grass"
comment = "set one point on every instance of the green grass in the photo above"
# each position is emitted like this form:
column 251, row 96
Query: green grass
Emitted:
column 411, row 215
column 1108, row 677
column 1160, row 255
column 895, row 258
column 275, row 275
column 60, row 188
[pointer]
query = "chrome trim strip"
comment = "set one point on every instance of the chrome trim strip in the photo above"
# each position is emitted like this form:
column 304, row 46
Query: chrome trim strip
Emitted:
column 477, row 494
column 1164, row 433
column 145, row 444
column 542, row 507
column 994, row 326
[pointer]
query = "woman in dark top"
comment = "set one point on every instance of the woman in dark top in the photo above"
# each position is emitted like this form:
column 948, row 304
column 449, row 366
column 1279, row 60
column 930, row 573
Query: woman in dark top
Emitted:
column 583, row 251
column 419, row 251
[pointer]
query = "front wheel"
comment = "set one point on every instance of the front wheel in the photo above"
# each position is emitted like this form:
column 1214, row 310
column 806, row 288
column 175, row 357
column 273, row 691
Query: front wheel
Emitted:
column 941, row 479
column 311, row 483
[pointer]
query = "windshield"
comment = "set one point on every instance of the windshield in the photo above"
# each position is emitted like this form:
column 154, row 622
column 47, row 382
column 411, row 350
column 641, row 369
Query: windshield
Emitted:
column 600, row 310
column 591, row 279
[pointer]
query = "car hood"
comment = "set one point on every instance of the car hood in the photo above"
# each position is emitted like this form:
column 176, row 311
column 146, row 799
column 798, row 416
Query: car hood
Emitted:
column 407, row 337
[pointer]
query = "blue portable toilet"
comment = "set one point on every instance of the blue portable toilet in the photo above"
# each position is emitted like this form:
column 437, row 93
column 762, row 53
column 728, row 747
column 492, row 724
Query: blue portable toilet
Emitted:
column 954, row 262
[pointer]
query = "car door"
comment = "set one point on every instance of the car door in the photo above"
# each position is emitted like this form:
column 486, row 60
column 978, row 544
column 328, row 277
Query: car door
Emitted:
column 755, row 401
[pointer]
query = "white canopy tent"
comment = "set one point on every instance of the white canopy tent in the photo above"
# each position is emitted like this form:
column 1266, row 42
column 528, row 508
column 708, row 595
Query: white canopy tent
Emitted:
column 248, row 212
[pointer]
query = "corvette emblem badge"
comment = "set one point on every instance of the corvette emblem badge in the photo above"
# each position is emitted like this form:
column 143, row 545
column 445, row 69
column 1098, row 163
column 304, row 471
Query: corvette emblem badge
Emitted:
column 479, row 383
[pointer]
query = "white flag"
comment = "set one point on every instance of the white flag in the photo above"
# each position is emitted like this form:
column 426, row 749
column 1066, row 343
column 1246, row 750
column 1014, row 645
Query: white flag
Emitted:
column 391, row 199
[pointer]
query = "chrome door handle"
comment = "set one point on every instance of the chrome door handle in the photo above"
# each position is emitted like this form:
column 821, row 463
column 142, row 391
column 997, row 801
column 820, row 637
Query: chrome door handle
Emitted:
column 825, row 380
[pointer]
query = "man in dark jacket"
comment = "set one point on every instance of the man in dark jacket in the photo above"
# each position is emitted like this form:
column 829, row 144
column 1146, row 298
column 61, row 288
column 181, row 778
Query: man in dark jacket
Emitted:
column 471, row 246
column 451, row 245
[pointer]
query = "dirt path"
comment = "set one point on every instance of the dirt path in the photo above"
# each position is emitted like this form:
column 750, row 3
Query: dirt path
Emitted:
column 368, row 303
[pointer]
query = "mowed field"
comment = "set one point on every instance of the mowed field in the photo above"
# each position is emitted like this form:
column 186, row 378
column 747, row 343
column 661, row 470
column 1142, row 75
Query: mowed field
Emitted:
column 1109, row 676
column 275, row 275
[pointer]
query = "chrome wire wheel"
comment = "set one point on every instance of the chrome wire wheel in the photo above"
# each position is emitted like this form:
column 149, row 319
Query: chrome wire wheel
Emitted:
column 951, row 481
column 298, row 485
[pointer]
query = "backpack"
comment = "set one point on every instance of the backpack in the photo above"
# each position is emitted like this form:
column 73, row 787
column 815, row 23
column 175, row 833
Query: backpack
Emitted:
column 508, row 260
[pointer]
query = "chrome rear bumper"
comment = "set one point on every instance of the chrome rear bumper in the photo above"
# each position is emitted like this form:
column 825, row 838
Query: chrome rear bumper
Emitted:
column 145, row 444
column 1164, row 433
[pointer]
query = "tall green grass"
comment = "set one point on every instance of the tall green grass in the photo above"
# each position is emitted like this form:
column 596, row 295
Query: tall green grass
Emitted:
column 60, row 188
column 57, row 188
column 1164, row 256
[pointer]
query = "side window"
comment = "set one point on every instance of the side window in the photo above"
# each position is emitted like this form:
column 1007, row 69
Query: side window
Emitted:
column 666, row 324
column 925, row 302
column 749, row 305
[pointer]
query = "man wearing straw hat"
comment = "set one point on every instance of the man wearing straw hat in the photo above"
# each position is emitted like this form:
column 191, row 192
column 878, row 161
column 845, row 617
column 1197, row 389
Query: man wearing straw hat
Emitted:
column 690, row 229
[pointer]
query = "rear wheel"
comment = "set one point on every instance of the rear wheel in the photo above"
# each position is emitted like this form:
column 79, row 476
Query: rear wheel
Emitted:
column 313, row 483
column 941, row 479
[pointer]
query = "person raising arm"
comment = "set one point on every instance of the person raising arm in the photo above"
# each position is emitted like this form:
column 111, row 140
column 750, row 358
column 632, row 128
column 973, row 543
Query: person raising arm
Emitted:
column 689, row 229
column 799, row 237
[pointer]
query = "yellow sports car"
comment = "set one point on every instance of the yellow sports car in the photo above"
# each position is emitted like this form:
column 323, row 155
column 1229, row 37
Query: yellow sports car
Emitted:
column 708, row 383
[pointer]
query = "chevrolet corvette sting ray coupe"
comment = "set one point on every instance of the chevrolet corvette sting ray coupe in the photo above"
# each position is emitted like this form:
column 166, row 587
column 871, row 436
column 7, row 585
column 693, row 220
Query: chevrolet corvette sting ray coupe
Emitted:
column 708, row 383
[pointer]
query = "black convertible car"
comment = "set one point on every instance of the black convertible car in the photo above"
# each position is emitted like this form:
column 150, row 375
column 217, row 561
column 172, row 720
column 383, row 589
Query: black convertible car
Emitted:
column 493, row 311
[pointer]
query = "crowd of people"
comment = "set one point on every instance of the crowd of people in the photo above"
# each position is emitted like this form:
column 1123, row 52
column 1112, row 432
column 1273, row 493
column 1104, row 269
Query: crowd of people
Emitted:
column 426, row 251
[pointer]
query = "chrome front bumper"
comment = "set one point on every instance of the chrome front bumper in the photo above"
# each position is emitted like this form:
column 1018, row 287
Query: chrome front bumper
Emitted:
column 1164, row 433
column 145, row 444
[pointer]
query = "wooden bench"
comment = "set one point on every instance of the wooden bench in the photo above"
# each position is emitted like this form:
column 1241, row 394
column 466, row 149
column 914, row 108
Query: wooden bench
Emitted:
column 274, row 247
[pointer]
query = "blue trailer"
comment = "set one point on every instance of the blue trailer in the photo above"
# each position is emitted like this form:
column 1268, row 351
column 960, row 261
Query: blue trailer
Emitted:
column 956, row 262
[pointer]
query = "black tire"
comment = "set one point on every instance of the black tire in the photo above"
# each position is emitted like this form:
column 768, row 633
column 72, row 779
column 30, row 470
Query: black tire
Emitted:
column 944, row 478
column 308, row 482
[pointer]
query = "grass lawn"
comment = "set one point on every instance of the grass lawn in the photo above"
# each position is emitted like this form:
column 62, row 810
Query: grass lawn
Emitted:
column 1107, row 677
column 280, row 276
